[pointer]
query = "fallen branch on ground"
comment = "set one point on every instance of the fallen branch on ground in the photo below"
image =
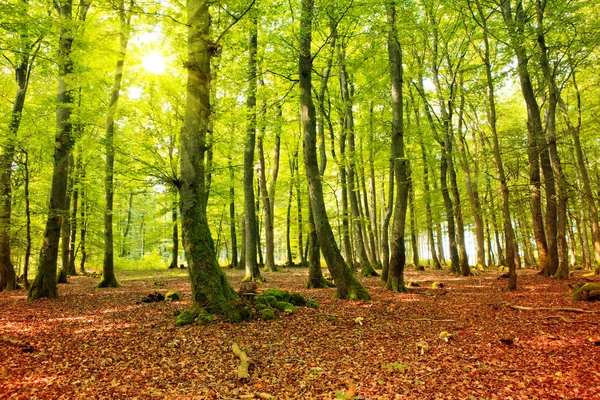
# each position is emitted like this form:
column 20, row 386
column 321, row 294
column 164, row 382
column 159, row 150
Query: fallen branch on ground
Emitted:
column 566, row 309
column 430, row 319
column 569, row 321
column 245, row 361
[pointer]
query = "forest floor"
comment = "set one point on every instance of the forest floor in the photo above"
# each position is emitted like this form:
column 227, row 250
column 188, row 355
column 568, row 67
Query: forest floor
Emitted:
column 103, row 343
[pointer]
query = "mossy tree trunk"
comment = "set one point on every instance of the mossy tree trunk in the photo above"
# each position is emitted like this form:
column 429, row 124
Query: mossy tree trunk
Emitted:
column 210, row 288
column 348, row 287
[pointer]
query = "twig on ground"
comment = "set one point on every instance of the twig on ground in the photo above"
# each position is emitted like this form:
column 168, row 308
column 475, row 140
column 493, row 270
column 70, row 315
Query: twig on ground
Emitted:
column 565, row 309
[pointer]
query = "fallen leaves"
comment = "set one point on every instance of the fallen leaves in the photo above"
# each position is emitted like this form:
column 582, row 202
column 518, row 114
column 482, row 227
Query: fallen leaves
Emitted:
column 100, row 343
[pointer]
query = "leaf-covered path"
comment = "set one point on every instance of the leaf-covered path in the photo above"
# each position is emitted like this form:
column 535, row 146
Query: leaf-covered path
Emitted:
column 103, row 343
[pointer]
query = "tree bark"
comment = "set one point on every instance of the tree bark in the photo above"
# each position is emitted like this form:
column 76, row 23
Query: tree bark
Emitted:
column 108, row 269
column 252, row 270
column 348, row 128
column 535, row 148
column 210, row 288
column 65, row 229
column 347, row 287
column 175, row 234
column 44, row 284
column 74, row 210
column 232, row 218
column 395, row 281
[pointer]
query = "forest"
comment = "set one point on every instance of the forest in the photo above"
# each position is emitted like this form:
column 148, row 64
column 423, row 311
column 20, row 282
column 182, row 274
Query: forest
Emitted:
column 432, row 167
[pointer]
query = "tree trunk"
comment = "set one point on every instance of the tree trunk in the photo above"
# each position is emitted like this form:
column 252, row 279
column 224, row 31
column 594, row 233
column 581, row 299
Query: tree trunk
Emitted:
column 385, row 226
column 210, row 288
column 44, row 284
column 347, row 287
column 535, row 148
column 252, row 270
column 587, row 195
column 348, row 128
column 232, row 219
column 472, row 188
column 83, row 223
column 174, row 219
column 65, row 229
column 288, row 219
column 28, row 221
column 108, row 270
column 266, row 198
column 395, row 281
column 76, row 182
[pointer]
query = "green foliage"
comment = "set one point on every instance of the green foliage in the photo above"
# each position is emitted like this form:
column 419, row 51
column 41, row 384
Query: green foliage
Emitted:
column 267, row 314
column 281, row 305
column 172, row 296
column 150, row 261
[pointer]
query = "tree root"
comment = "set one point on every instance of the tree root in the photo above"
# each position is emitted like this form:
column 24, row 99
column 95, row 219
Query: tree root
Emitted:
column 245, row 361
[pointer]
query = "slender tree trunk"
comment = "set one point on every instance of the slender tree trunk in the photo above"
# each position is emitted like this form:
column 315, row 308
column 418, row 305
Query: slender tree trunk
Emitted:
column 413, row 224
column 28, row 220
column 499, row 250
column 587, row 194
column 73, row 240
column 125, row 246
column 252, row 270
column 347, row 287
column 472, row 188
column 264, row 196
column 348, row 127
column 83, row 223
column 288, row 225
column 108, row 270
column 427, row 195
column 535, row 149
column 65, row 229
column 232, row 218
column 558, row 225
column 395, row 281
column 44, row 284
column 509, row 234
column 385, row 226
column 300, row 219
column 210, row 288
column 175, row 234
column 377, row 247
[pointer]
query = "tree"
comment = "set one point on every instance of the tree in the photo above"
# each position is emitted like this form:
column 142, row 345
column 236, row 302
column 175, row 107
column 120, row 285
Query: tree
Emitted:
column 395, row 279
column 44, row 284
column 210, row 288
column 108, row 269
column 347, row 287
column 252, row 271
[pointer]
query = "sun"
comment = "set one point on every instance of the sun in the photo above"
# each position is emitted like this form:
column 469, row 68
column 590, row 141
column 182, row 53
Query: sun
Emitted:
column 154, row 63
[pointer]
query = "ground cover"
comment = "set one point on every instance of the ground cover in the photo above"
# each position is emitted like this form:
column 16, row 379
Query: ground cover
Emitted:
column 105, row 343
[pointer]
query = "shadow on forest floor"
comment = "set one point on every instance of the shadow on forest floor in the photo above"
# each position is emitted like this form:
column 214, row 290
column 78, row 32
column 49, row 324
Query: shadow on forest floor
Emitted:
column 103, row 343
